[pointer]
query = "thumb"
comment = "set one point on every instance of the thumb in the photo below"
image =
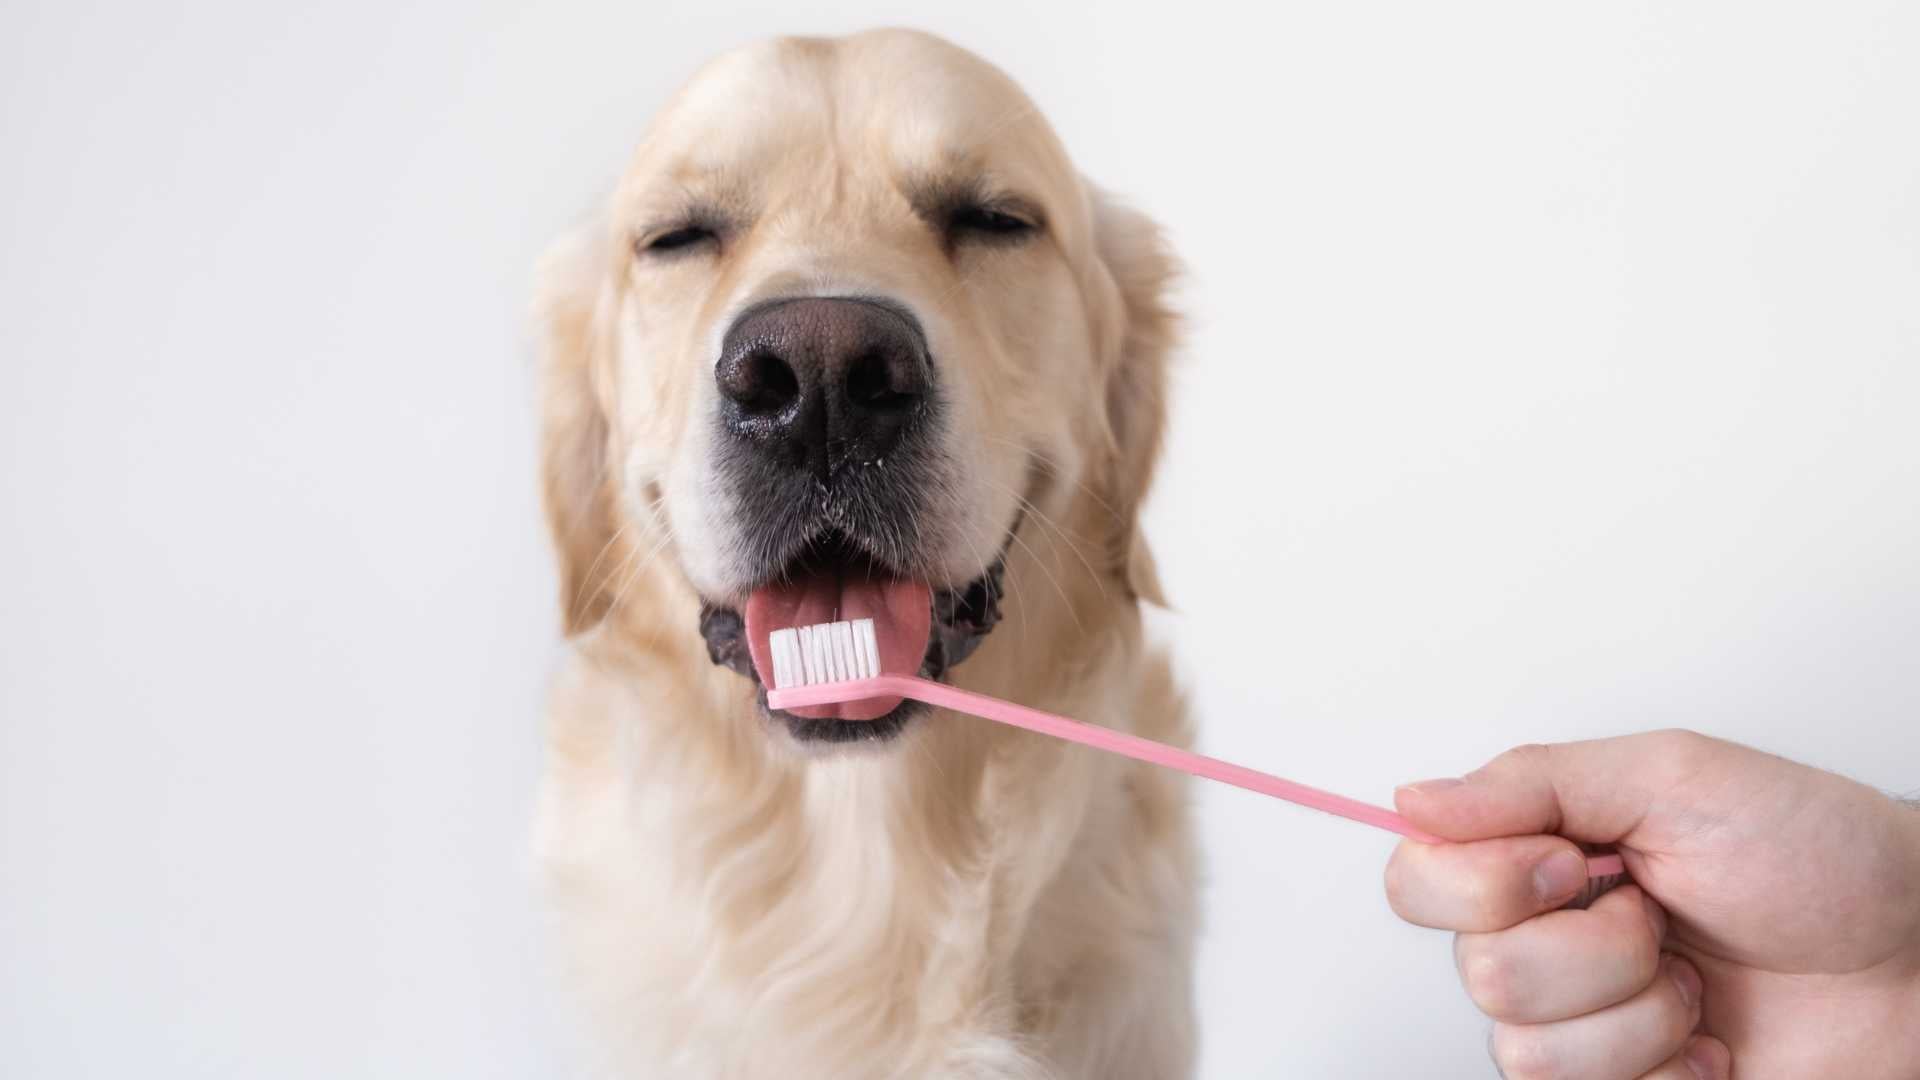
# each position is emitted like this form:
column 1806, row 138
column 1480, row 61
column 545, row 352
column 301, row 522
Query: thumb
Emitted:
column 1596, row 791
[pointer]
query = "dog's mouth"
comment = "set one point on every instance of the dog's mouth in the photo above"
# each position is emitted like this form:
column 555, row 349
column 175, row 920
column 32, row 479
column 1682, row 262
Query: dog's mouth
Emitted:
column 920, row 628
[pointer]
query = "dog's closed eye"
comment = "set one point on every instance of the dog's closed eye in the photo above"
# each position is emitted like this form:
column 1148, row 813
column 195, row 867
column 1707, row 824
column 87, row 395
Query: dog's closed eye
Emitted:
column 973, row 210
column 989, row 222
column 679, row 240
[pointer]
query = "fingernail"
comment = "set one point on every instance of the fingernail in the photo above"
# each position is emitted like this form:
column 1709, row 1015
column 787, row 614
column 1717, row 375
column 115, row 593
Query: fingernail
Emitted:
column 1706, row 1059
column 1558, row 876
column 1428, row 787
column 1686, row 978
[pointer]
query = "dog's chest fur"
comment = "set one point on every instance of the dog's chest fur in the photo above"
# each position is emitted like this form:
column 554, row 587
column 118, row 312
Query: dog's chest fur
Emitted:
column 972, row 902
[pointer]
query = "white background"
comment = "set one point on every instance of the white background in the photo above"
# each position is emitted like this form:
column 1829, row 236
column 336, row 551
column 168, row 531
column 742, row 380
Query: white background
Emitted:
column 1554, row 372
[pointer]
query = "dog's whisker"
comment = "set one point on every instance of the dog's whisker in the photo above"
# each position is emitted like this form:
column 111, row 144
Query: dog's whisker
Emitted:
column 950, row 497
column 653, row 553
column 1032, row 508
column 651, row 509
column 1099, row 581
column 659, row 625
column 1054, row 468
column 586, row 579
column 1006, row 595
column 1042, row 567
column 1064, row 537
column 1026, row 619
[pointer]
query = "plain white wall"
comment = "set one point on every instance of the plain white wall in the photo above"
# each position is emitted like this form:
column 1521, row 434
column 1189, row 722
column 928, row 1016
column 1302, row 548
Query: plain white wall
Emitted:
column 1554, row 372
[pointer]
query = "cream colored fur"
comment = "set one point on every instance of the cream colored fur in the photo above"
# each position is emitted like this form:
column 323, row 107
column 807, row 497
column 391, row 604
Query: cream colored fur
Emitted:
column 970, row 900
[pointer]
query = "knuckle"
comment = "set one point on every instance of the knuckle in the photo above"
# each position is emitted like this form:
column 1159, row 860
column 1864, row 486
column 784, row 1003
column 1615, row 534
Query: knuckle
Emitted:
column 1632, row 935
column 1643, row 954
column 1492, row 980
column 1485, row 902
column 1679, row 744
column 1675, row 1025
column 1526, row 756
column 1399, row 885
column 1522, row 1053
column 1677, row 1016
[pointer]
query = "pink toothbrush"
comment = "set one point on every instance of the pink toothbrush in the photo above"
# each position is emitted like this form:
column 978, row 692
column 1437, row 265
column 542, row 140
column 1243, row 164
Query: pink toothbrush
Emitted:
column 836, row 662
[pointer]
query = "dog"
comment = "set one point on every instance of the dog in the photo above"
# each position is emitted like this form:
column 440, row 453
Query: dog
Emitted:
column 852, row 316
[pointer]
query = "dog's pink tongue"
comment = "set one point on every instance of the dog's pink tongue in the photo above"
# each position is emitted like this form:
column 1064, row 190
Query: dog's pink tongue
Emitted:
column 902, row 613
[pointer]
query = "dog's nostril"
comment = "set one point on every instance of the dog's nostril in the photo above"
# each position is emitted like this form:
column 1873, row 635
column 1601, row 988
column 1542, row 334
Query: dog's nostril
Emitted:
column 759, row 382
column 817, row 381
column 871, row 384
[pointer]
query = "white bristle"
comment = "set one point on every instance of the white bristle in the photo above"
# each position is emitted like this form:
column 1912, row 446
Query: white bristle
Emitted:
column 824, row 653
column 784, row 646
column 869, row 648
column 809, row 656
column 796, row 668
column 822, row 670
column 843, row 648
column 829, row 663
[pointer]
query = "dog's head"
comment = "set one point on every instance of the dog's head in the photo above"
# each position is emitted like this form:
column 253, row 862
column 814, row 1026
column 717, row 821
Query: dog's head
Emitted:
column 852, row 323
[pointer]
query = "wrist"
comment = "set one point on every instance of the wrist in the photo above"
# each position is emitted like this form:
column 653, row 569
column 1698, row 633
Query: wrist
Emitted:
column 1907, row 813
column 1906, row 1048
column 1910, row 1052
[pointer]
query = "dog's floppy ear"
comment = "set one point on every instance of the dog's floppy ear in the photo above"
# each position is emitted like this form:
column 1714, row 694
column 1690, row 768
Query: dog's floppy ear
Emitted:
column 578, row 472
column 1139, row 337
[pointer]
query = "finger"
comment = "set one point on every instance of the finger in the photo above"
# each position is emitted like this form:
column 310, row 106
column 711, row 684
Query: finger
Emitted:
column 1703, row 1058
column 1594, row 791
column 1564, row 963
column 1485, row 885
column 1617, row 1043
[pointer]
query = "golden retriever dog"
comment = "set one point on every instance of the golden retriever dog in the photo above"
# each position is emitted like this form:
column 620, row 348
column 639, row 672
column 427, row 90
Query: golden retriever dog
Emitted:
column 853, row 335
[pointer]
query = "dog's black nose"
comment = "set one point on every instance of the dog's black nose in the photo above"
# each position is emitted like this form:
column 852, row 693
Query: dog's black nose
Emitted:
column 816, row 383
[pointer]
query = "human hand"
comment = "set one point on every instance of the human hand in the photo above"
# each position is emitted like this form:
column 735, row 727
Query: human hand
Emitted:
column 1773, row 920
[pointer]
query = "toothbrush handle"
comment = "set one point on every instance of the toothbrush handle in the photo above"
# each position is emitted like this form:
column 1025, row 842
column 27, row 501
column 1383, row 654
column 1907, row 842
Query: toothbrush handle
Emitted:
column 1126, row 745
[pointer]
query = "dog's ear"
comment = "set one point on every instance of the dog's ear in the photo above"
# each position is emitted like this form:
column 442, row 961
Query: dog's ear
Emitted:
column 579, row 476
column 1138, row 340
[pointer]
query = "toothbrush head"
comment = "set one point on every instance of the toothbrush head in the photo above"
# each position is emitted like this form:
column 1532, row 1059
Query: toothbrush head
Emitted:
column 846, row 626
column 824, row 653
